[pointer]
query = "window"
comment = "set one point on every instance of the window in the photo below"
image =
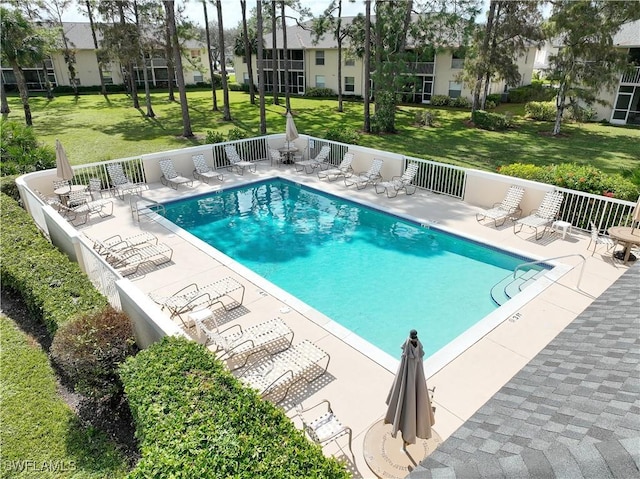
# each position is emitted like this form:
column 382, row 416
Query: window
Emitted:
column 319, row 57
column 349, row 62
column 349, row 84
column 245, row 78
column 455, row 89
column 197, row 78
column 320, row 81
column 457, row 59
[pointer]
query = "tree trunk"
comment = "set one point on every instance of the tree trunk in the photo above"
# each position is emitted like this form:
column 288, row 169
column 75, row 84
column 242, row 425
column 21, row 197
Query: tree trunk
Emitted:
column 24, row 92
column 378, row 54
column 285, row 49
column 177, row 57
column 367, row 66
column 485, row 47
column 47, row 83
column 260, row 65
column 133, row 86
column 171, row 71
column 226, row 113
column 103, row 87
column 147, row 92
column 211, row 69
column 247, row 51
column 339, row 38
column 274, row 54
column 4, row 108
column 560, row 99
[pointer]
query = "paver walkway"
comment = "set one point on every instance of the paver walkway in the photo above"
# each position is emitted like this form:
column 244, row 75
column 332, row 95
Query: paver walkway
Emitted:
column 571, row 412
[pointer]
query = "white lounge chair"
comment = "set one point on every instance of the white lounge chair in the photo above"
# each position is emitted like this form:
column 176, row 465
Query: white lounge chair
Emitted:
column 117, row 243
column 398, row 183
column 120, row 182
column 599, row 239
column 542, row 217
column 343, row 169
column 235, row 343
column 203, row 171
column 193, row 297
column 324, row 428
column 170, row 177
column 79, row 207
column 321, row 161
column 508, row 208
column 237, row 163
column 361, row 180
column 142, row 207
column 282, row 370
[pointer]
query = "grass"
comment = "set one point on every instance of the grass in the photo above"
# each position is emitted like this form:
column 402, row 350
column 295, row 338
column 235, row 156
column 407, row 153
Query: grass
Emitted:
column 93, row 128
column 40, row 435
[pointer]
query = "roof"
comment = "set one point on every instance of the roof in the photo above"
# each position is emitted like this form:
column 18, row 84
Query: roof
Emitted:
column 629, row 35
column 573, row 411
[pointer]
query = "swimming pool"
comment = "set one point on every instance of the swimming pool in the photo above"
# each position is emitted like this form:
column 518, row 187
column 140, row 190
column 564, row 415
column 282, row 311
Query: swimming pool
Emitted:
column 374, row 273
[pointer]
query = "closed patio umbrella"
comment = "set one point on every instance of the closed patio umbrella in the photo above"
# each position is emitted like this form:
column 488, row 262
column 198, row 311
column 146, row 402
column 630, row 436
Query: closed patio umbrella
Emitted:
column 63, row 166
column 291, row 132
column 409, row 407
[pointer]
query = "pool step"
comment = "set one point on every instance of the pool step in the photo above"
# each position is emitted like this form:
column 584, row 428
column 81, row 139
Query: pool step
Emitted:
column 508, row 287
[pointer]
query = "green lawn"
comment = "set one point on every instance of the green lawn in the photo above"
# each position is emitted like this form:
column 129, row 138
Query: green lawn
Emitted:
column 93, row 128
column 40, row 436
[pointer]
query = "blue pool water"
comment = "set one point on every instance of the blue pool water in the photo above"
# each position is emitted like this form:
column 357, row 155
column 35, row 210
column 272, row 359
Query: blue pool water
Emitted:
column 376, row 274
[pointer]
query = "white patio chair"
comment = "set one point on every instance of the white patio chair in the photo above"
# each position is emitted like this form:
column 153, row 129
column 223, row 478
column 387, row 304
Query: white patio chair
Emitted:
column 542, row 217
column 599, row 239
column 282, row 370
column 78, row 207
column 237, row 163
column 275, row 156
column 399, row 183
column 118, row 242
column 120, row 182
column 203, row 171
column 170, row 177
column 343, row 169
column 128, row 260
column 324, row 428
column 361, row 180
column 234, row 342
column 321, row 161
column 508, row 208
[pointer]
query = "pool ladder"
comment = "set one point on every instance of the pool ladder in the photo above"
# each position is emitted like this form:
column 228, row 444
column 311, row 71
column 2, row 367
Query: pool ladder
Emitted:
column 508, row 287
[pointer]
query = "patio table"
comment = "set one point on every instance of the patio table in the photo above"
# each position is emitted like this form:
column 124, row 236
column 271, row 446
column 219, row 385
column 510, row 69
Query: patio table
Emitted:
column 627, row 236
column 64, row 191
column 288, row 152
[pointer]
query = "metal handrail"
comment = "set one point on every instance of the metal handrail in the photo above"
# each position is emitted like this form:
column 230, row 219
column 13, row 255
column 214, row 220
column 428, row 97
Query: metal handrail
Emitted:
column 531, row 263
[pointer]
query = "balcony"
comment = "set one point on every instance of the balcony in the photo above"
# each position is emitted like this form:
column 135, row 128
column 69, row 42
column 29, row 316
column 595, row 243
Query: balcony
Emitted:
column 292, row 65
column 631, row 78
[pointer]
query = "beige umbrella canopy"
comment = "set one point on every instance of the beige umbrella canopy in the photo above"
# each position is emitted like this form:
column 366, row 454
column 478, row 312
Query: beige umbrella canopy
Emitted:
column 635, row 217
column 409, row 407
column 291, row 132
column 63, row 166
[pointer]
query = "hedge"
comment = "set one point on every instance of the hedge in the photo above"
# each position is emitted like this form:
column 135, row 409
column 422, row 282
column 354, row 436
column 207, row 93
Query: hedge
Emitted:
column 195, row 419
column 53, row 288
column 491, row 121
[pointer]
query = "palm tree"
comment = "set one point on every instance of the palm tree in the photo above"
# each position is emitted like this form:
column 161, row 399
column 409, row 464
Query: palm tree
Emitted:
column 211, row 69
column 274, row 52
column 367, row 68
column 226, row 115
column 285, row 49
column 177, row 57
column 22, row 45
column 247, row 50
column 260, row 64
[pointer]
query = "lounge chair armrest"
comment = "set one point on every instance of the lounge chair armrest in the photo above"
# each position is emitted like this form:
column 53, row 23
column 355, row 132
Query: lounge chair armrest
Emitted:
column 185, row 290
column 300, row 409
column 232, row 327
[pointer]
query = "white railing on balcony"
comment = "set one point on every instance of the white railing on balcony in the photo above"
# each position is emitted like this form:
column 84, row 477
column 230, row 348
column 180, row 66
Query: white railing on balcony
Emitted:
column 440, row 178
column 579, row 209
column 632, row 77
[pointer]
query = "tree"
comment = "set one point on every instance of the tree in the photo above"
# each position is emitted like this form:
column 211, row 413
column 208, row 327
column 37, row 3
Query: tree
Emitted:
column 247, row 43
column 210, row 57
column 367, row 66
column 274, row 52
column 177, row 58
column 99, row 53
column 587, row 60
column 260, row 65
column 4, row 109
column 511, row 28
column 226, row 112
column 22, row 46
column 55, row 9
column 144, row 48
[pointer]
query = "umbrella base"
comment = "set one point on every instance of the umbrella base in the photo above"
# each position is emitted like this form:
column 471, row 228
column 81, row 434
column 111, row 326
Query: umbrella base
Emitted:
column 386, row 456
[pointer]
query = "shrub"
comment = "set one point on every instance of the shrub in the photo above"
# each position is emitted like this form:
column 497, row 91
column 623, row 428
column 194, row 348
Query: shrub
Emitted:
column 541, row 111
column 582, row 114
column 460, row 102
column 576, row 177
column 20, row 151
column 236, row 87
column 491, row 121
column 425, row 118
column 534, row 92
column 8, row 187
column 214, row 137
column 53, row 288
column 440, row 100
column 319, row 92
column 496, row 98
column 195, row 419
column 236, row 134
column 343, row 135
column 90, row 348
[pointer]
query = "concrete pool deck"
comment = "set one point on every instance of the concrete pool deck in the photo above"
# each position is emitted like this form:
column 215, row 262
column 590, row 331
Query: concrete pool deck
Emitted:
column 356, row 385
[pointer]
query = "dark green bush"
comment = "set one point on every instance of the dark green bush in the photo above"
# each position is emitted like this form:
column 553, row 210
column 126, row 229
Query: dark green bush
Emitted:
column 540, row 110
column 90, row 348
column 460, row 102
column 8, row 187
column 343, row 135
column 534, row 92
column 237, row 87
column 214, row 137
column 496, row 98
column 491, row 121
column 236, row 134
column 440, row 100
column 319, row 92
column 426, row 118
column 53, row 288
column 195, row 419
column 20, row 151
column 576, row 177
